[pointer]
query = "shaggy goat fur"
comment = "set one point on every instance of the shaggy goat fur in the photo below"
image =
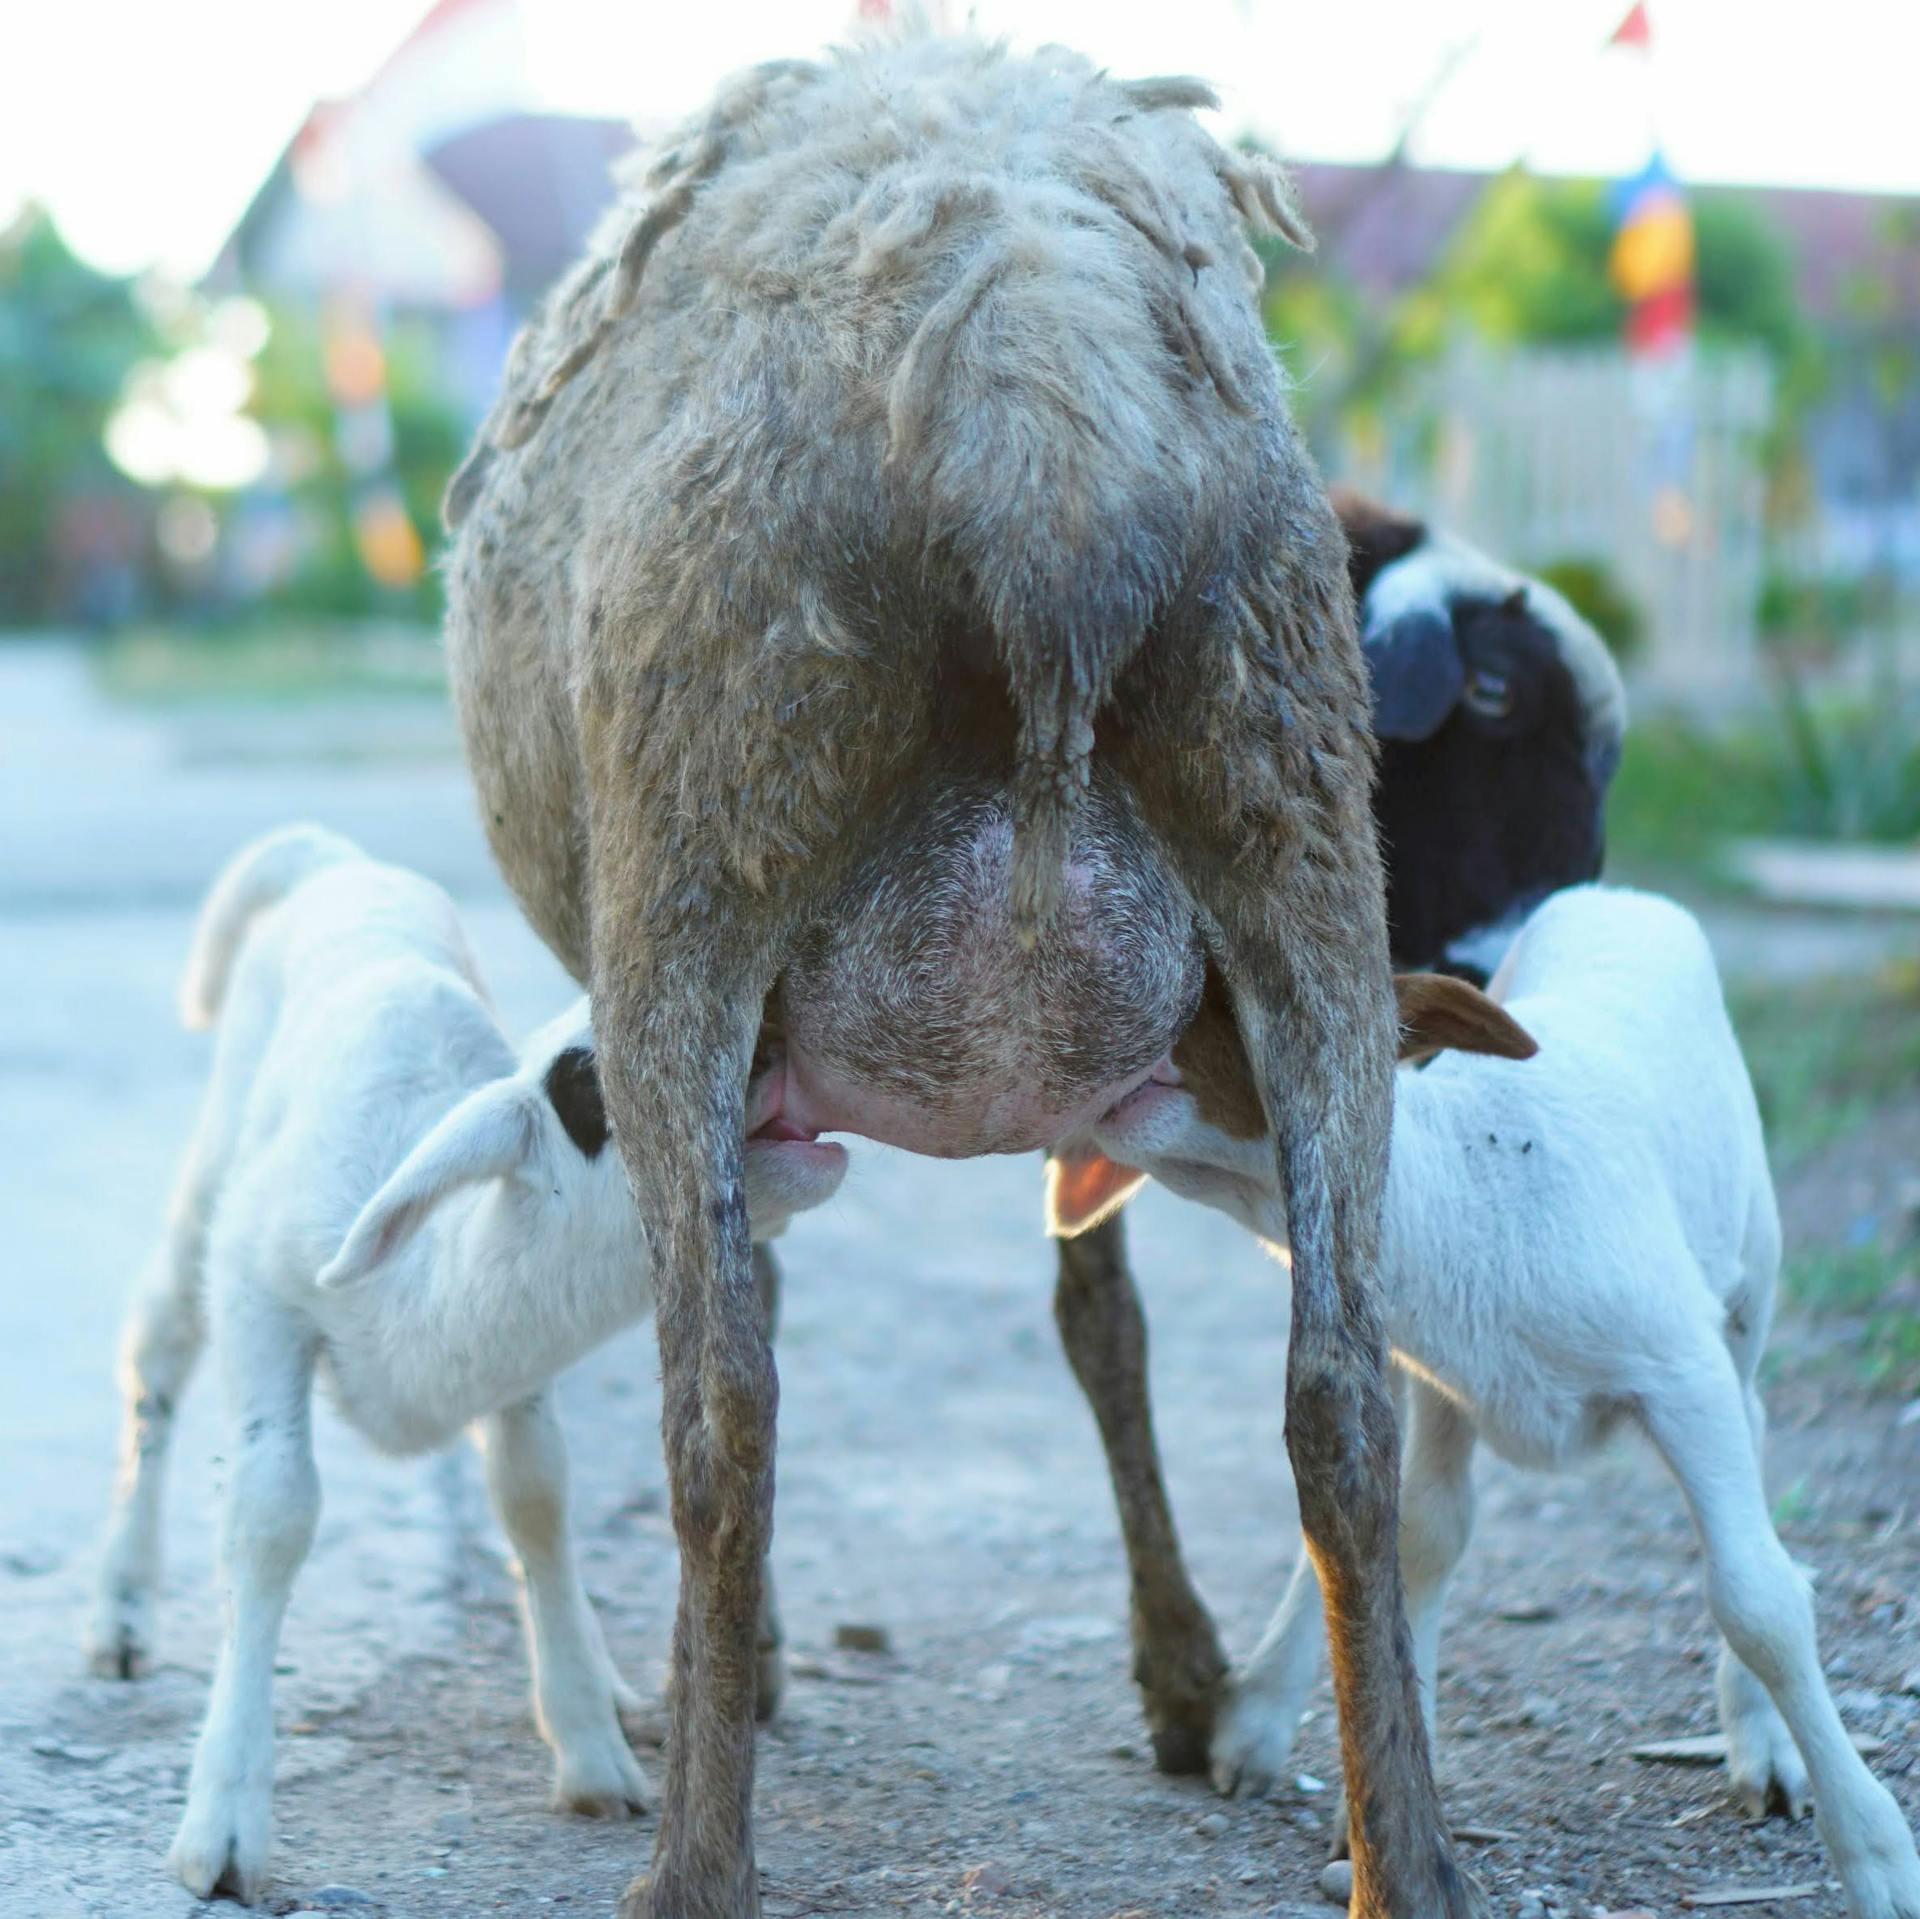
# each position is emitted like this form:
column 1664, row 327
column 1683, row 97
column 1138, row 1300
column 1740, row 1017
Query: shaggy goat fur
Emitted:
column 911, row 425
column 1584, row 1240
column 377, row 1191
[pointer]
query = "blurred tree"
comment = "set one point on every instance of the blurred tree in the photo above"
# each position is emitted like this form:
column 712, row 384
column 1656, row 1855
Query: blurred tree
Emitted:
column 310, row 470
column 1529, row 264
column 68, row 338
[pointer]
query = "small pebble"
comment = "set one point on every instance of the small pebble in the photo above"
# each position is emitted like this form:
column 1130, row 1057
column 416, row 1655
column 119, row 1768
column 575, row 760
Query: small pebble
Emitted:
column 1213, row 1825
column 1336, row 1881
column 1856, row 1702
column 79, row 1755
column 1306, row 1782
column 1911, row 1684
column 1541, row 1709
column 852, row 1637
column 1528, row 1612
column 335, row 1898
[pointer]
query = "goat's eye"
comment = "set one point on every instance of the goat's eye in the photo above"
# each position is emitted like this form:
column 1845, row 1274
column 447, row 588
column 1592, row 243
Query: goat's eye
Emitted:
column 1490, row 695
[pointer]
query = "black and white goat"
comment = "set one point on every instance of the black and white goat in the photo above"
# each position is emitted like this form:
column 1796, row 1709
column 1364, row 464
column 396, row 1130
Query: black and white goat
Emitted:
column 1500, row 715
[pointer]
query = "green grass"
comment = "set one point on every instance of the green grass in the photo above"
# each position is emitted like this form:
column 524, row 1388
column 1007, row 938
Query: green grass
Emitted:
column 1844, row 770
column 1878, row 1292
column 288, row 662
column 1824, row 1054
column 1826, row 1057
column 1682, row 793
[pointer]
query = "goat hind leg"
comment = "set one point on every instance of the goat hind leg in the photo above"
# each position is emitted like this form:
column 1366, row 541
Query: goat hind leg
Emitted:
column 273, row 1504
column 1325, row 1063
column 1764, row 1765
column 159, row 1349
column 1762, row 1607
column 674, row 1054
column 1436, row 1521
column 1177, row 1661
column 576, row 1691
column 769, row 1657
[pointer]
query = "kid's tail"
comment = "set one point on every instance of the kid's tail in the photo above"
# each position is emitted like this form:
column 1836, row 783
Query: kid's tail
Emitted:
column 259, row 876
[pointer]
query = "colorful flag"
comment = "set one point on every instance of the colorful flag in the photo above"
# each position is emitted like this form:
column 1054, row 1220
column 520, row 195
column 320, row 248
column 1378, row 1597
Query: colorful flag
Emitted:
column 1651, row 264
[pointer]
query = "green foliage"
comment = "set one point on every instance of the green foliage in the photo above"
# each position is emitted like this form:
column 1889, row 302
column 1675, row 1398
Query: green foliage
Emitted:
column 68, row 338
column 1839, row 768
column 1824, row 1055
column 1530, row 264
column 1816, row 615
column 292, row 401
column 1683, row 790
column 1594, row 591
column 1743, row 279
column 1880, row 1292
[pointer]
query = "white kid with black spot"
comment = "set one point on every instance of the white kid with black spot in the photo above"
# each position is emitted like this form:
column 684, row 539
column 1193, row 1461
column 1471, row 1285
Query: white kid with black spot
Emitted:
column 379, row 1192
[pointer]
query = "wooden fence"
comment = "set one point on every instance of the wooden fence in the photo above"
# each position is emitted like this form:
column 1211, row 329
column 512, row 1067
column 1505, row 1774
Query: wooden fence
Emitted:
column 1652, row 470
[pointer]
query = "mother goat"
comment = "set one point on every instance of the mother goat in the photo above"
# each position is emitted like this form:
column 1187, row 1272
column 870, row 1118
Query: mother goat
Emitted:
column 903, row 652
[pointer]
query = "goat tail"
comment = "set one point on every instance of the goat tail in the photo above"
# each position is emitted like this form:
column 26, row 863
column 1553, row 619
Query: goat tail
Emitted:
column 1050, row 781
column 260, row 875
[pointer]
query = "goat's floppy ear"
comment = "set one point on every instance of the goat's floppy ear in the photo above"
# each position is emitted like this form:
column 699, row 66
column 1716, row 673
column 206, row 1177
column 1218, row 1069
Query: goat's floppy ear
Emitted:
column 490, row 1134
column 1085, row 1187
column 1417, row 674
column 1438, row 1012
column 1376, row 535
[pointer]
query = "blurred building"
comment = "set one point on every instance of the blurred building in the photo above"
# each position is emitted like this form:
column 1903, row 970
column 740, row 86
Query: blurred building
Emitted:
column 439, row 197
column 434, row 193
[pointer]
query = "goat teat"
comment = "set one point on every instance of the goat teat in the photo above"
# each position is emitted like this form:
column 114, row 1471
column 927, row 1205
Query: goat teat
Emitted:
column 1197, row 1125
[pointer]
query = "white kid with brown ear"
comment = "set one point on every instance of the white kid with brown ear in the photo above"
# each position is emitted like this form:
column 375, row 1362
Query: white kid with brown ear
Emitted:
column 1585, row 1238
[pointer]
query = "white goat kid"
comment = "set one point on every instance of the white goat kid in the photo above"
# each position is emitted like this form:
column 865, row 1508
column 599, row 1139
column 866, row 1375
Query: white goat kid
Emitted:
column 379, row 1191
column 1586, row 1238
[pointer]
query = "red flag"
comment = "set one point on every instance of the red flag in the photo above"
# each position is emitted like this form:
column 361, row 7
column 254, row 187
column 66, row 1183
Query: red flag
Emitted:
column 1635, row 30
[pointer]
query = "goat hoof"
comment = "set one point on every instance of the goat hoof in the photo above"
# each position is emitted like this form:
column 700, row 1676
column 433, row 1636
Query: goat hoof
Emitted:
column 124, row 1656
column 604, row 1783
column 1180, row 1749
column 1766, row 1771
column 210, row 1856
column 1783, row 1793
column 1251, row 1749
column 119, row 1642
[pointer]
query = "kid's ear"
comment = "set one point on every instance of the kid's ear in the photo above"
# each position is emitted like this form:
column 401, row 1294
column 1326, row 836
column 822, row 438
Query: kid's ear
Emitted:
column 490, row 1134
column 1415, row 673
column 1085, row 1187
column 1438, row 1012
